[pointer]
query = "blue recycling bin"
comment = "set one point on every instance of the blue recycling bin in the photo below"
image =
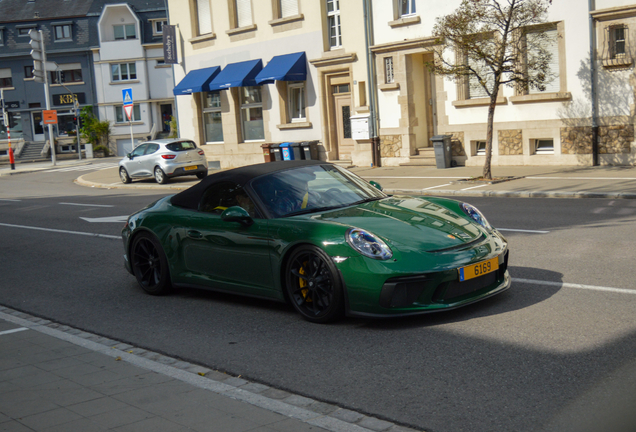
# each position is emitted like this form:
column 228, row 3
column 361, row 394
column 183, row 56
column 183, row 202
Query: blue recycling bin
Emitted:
column 286, row 151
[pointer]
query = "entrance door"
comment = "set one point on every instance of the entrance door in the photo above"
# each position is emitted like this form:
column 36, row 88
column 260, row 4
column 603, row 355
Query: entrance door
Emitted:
column 343, row 113
column 38, row 126
column 166, row 115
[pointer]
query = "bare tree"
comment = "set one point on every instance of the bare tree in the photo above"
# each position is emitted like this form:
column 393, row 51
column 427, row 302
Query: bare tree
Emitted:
column 495, row 43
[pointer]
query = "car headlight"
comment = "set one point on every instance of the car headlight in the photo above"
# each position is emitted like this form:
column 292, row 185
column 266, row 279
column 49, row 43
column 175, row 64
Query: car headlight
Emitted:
column 368, row 244
column 475, row 215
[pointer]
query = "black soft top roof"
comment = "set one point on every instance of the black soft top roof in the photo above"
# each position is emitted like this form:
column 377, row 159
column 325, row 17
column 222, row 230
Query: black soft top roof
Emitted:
column 191, row 197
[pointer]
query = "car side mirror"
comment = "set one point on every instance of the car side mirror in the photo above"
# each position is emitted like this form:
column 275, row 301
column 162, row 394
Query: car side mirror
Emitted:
column 130, row 156
column 376, row 185
column 237, row 214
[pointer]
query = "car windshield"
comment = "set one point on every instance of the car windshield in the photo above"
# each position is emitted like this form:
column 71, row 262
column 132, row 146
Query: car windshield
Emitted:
column 181, row 146
column 312, row 189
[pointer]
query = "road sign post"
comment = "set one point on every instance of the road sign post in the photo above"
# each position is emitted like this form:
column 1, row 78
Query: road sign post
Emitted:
column 40, row 68
column 128, row 110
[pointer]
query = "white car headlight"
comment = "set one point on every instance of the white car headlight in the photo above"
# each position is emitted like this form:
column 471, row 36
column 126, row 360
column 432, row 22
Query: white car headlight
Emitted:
column 368, row 244
column 475, row 215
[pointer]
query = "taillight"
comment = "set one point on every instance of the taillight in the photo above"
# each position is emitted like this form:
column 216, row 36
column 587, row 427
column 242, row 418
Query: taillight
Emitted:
column 201, row 152
column 168, row 156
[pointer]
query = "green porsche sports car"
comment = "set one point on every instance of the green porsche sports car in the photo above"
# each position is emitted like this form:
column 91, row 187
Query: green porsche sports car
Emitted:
column 318, row 236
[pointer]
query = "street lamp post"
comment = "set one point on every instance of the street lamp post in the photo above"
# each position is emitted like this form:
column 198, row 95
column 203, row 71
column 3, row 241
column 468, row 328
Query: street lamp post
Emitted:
column 40, row 69
column 7, row 126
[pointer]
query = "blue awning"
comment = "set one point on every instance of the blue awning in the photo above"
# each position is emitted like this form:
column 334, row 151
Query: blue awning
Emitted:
column 288, row 67
column 196, row 81
column 237, row 75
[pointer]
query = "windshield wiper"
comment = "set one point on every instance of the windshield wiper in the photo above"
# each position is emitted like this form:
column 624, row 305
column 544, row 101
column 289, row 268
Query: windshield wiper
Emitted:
column 366, row 200
column 315, row 209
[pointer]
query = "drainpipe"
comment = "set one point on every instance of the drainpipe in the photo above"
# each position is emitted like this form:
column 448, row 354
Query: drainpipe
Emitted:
column 593, row 90
column 371, row 79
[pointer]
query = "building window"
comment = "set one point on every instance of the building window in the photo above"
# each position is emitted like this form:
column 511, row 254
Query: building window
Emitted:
column 63, row 32
column 543, row 146
column 341, row 88
column 204, row 17
column 5, row 78
column 407, row 7
column 287, row 8
column 547, row 40
column 618, row 41
column 125, row 31
column 157, row 26
column 480, row 148
column 66, row 125
column 296, row 102
column 15, row 125
column 475, row 88
column 212, row 116
column 123, row 72
column 252, row 113
column 24, row 31
column 388, row 70
column 333, row 22
column 120, row 115
column 69, row 73
column 243, row 10
column 1, row 36
column 28, row 72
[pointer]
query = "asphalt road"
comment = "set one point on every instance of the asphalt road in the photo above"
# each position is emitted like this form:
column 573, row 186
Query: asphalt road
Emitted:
column 555, row 352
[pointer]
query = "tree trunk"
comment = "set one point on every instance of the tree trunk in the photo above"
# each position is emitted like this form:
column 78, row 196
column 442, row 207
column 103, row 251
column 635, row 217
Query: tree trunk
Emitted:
column 489, row 131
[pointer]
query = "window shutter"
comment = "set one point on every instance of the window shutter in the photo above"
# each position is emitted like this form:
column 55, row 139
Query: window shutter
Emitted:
column 475, row 89
column 243, row 13
column 203, row 17
column 288, row 8
column 552, row 46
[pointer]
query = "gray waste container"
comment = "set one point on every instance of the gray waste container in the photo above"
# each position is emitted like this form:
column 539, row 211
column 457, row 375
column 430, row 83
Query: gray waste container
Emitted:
column 275, row 153
column 442, row 146
column 309, row 150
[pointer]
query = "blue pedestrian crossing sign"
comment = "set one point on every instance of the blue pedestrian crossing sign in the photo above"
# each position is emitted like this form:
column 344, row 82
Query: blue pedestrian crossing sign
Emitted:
column 127, row 95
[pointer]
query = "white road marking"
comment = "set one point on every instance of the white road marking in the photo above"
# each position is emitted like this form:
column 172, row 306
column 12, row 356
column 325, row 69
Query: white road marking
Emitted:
column 13, row 331
column 96, row 167
column 410, row 177
column 433, row 187
column 118, row 219
column 521, row 230
column 6, row 199
column 475, row 187
column 580, row 178
column 62, row 231
column 577, row 286
column 86, row 205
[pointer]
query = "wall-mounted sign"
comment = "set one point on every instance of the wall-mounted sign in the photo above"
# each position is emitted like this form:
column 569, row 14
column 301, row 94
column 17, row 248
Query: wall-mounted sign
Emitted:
column 11, row 105
column 67, row 99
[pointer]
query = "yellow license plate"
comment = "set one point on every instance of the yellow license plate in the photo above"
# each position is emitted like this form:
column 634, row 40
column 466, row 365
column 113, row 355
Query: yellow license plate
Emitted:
column 479, row 269
column 190, row 168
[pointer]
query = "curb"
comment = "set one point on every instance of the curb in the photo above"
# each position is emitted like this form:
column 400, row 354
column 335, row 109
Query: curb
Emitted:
column 514, row 194
column 306, row 410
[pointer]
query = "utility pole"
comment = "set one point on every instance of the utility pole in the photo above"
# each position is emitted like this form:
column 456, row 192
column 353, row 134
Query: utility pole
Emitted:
column 40, row 74
column 7, row 125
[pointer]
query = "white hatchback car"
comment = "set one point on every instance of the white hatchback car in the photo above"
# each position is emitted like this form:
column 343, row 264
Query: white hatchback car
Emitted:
column 163, row 159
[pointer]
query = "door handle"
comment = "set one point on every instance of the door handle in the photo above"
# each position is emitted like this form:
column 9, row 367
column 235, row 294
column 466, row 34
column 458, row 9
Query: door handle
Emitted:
column 194, row 234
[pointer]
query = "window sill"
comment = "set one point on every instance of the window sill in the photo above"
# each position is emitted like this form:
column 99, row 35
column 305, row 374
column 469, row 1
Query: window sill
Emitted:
column 405, row 21
column 202, row 38
column 163, row 66
column 66, row 84
column 617, row 62
column 8, row 88
column 63, row 40
column 541, row 97
column 298, row 125
column 281, row 21
column 239, row 30
column 389, row 86
column 124, row 82
column 136, row 122
column 478, row 102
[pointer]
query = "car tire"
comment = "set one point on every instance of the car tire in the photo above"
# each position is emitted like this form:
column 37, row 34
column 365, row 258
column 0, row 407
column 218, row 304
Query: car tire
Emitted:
column 160, row 176
column 150, row 265
column 123, row 175
column 202, row 175
column 313, row 285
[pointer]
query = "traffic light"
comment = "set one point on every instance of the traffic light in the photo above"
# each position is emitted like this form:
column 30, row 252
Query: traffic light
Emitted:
column 37, row 48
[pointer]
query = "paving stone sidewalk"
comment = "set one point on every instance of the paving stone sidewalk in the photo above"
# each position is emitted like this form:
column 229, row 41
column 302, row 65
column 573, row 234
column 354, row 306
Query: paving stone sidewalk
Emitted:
column 57, row 378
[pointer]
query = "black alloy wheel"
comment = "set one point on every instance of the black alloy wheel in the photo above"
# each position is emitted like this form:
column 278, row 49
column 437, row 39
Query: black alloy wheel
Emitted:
column 160, row 176
column 123, row 175
column 313, row 285
column 150, row 265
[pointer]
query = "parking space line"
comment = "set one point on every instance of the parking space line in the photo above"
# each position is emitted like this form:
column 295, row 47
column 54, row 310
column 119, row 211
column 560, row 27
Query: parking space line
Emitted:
column 86, row 205
column 475, row 187
column 6, row 199
column 577, row 286
column 522, row 230
column 433, row 187
column 62, row 231
column 15, row 330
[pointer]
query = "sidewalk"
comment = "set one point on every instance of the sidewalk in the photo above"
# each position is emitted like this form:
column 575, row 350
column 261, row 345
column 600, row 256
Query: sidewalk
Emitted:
column 529, row 181
column 56, row 378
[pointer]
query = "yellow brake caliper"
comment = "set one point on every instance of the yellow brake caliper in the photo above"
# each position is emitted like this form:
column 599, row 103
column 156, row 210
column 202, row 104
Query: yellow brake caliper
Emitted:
column 303, row 283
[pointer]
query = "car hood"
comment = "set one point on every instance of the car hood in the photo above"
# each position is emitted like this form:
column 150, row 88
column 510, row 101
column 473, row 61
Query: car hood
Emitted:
column 409, row 223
